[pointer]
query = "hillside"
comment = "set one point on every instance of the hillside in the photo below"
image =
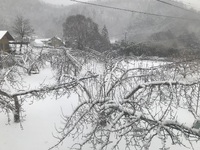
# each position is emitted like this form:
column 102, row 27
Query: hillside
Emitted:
column 48, row 19
column 139, row 26
column 43, row 17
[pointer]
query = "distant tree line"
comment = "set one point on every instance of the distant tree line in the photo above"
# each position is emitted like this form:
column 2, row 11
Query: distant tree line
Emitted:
column 148, row 49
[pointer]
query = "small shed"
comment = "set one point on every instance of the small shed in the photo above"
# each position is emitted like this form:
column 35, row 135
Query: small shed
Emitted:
column 49, row 42
column 55, row 42
column 5, row 38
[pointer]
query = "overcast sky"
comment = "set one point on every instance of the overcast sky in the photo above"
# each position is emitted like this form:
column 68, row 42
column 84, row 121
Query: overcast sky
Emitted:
column 192, row 3
column 61, row 2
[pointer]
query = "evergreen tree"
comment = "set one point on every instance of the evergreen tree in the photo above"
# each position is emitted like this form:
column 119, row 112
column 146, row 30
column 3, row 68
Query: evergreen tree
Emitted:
column 104, row 33
column 82, row 32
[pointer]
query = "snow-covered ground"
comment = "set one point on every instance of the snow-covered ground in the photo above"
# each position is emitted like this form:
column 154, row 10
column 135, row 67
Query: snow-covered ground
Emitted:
column 41, row 117
column 35, row 132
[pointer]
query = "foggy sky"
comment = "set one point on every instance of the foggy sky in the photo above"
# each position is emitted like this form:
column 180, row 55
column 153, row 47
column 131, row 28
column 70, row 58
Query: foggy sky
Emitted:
column 61, row 2
column 190, row 3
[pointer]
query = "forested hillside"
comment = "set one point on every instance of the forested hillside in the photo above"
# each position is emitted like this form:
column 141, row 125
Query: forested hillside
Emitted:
column 47, row 19
column 44, row 18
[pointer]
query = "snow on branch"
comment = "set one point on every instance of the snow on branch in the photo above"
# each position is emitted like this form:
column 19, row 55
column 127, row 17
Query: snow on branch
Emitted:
column 181, row 127
column 6, row 105
column 158, row 83
column 71, row 58
column 67, row 86
column 3, row 93
column 172, row 124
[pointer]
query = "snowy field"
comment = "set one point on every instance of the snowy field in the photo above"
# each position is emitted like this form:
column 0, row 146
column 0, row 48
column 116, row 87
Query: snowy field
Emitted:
column 42, row 116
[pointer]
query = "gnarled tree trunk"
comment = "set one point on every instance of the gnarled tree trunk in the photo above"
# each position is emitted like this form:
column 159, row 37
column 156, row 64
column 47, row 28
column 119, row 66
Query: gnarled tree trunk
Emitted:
column 17, row 110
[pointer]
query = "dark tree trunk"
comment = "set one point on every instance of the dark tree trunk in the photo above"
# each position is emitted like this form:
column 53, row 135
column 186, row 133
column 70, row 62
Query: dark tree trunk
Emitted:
column 17, row 110
column 1, row 65
column 20, row 48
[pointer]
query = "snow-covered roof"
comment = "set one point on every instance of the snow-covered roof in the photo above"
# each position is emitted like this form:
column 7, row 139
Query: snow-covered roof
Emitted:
column 2, row 33
column 41, row 40
column 57, row 38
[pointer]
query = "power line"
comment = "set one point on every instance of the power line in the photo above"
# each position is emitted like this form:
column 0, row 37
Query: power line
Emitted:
column 134, row 11
column 170, row 4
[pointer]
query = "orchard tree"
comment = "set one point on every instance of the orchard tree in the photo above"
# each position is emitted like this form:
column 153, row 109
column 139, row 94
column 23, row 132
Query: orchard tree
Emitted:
column 83, row 32
column 14, row 91
column 128, row 103
column 128, row 107
column 13, row 70
column 22, row 29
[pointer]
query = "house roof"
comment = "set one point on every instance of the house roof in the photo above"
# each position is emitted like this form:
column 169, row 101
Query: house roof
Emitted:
column 2, row 33
column 6, row 33
column 41, row 40
column 56, row 38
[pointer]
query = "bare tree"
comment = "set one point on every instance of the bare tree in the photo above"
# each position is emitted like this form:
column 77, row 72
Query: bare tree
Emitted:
column 12, row 102
column 13, row 92
column 134, row 105
column 64, row 63
column 128, row 100
column 22, row 29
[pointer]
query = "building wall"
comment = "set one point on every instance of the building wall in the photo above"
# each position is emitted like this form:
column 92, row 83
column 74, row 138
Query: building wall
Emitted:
column 4, row 44
column 55, row 42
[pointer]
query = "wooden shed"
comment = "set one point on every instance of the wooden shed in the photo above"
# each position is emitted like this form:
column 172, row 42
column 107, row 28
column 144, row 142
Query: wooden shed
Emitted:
column 5, row 38
column 55, row 42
